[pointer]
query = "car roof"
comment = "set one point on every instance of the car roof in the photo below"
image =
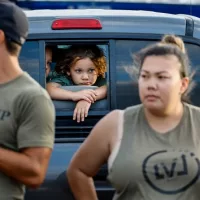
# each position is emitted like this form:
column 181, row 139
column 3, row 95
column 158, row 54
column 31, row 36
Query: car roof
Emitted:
column 113, row 21
column 46, row 13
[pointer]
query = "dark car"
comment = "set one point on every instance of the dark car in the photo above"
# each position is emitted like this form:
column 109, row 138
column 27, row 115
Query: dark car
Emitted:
column 120, row 34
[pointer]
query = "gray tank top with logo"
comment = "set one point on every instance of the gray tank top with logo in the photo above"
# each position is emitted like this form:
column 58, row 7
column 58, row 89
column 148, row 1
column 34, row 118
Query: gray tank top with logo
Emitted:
column 153, row 166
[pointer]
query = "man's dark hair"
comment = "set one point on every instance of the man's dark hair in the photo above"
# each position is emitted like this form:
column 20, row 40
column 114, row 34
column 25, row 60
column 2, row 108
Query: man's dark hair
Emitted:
column 12, row 47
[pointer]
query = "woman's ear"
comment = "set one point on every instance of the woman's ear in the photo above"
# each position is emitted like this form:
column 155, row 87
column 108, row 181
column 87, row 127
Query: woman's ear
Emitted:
column 2, row 37
column 184, row 85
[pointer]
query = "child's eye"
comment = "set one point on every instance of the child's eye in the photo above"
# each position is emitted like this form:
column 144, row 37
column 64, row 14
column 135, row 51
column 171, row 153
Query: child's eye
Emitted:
column 91, row 70
column 78, row 71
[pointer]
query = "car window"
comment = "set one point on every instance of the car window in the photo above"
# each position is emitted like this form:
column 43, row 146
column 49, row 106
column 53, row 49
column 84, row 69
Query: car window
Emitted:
column 29, row 59
column 193, row 52
column 61, row 76
column 126, row 84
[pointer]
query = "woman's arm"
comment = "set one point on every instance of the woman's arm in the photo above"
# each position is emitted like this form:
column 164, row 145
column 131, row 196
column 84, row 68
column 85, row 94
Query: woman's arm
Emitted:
column 92, row 154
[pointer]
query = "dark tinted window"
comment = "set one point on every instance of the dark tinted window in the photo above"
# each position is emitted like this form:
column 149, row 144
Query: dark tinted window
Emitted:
column 127, row 90
column 193, row 52
column 29, row 59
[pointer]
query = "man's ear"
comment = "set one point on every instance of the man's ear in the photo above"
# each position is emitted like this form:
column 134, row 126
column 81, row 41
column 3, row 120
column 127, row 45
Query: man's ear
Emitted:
column 2, row 37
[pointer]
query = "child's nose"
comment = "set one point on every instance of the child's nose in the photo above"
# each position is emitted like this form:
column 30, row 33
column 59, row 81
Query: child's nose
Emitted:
column 85, row 76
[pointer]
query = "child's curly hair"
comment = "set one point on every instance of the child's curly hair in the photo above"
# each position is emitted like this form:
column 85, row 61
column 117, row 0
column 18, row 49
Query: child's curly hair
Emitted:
column 77, row 52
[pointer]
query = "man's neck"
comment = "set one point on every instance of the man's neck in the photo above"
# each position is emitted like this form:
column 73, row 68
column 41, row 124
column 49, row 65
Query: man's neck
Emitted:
column 9, row 69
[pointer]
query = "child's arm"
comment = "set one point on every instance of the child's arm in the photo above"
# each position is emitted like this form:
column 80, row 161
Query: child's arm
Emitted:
column 82, row 107
column 101, row 92
column 58, row 93
column 81, row 110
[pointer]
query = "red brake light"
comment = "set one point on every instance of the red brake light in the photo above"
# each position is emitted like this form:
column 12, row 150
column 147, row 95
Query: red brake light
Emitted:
column 60, row 24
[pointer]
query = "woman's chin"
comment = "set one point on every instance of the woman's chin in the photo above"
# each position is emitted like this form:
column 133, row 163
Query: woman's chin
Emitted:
column 153, row 107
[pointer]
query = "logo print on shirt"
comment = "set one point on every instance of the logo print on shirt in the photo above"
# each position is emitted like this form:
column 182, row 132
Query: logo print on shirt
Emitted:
column 4, row 114
column 174, row 176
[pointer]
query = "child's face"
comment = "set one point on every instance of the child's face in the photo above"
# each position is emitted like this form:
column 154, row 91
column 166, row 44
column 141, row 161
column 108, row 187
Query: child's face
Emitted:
column 84, row 72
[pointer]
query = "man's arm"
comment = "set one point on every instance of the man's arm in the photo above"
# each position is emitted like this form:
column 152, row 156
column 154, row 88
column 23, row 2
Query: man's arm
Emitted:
column 28, row 166
column 35, row 120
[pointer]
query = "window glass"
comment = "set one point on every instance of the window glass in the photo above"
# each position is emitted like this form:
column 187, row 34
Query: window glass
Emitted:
column 29, row 59
column 193, row 52
column 127, row 89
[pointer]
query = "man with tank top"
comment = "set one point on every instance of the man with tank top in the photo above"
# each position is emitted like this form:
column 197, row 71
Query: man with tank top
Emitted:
column 152, row 149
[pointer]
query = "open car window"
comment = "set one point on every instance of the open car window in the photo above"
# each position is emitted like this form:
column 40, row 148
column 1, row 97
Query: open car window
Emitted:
column 58, row 52
column 69, row 105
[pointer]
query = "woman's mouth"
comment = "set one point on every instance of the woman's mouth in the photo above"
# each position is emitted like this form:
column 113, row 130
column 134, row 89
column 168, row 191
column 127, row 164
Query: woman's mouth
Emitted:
column 151, row 97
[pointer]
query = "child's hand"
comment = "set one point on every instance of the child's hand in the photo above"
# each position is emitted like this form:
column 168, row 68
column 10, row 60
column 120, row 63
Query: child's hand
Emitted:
column 81, row 110
column 87, row 95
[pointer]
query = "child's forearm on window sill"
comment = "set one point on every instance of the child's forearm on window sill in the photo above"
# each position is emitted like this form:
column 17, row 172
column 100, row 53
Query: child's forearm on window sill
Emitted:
column 101, row 92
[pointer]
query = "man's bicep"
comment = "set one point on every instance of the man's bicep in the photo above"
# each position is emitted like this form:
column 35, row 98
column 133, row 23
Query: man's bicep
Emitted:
column 37, row 125
column 39, row 154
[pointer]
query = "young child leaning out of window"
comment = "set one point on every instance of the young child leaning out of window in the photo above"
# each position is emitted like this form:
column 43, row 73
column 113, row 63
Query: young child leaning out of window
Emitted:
column 82, row 65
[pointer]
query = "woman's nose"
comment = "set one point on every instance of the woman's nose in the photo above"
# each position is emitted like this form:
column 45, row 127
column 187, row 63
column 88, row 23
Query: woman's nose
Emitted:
column 151, row 85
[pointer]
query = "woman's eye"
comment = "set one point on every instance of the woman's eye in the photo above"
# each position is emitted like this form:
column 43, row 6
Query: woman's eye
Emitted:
column 162, row 77
column 143, row 76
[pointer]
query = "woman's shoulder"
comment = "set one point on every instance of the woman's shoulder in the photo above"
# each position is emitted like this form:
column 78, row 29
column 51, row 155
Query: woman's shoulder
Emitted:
column 194, row 110
column 113, row 115
column 110, row 122
column 131, row 110
column 117, row 114
column 192, row 114
column 107, row 127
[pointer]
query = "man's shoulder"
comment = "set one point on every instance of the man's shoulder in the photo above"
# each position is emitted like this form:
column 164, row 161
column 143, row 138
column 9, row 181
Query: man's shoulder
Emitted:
column 30, row 88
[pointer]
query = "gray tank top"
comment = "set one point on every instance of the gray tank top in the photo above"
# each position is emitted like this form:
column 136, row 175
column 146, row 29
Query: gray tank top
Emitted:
column 153, row 166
